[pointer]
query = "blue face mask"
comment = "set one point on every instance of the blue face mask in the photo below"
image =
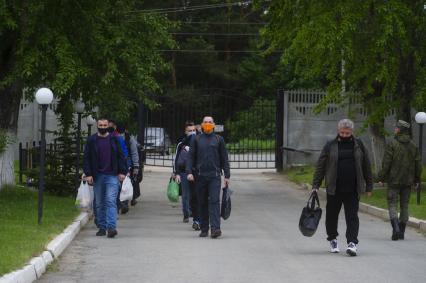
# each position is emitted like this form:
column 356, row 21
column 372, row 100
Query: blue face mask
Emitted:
column 191, row 133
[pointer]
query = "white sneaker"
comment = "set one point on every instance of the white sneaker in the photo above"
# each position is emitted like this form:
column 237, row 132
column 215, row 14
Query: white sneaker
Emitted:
column 334, row 247
column 351, row 249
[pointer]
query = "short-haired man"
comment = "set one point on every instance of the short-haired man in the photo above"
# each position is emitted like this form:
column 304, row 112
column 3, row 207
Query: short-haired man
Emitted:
column 104, row 167
column 401, row 169
column 209, row 157
column 345, row 165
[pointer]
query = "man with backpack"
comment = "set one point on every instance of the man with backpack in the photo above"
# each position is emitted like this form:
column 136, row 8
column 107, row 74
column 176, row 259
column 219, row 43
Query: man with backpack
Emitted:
column 208, row 158
column 346, row 168
column 189, row 195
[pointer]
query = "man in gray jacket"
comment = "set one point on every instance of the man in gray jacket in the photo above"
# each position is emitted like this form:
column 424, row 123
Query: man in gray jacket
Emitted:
column 346, row 168
column 209, row 157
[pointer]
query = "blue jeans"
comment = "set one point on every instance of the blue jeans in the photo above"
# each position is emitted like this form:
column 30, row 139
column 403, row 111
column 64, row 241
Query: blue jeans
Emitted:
column 106, row 190
column 208, row 189
column 186, row 194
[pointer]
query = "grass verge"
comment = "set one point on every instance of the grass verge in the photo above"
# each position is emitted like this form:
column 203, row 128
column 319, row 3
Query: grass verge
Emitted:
column 21, row 238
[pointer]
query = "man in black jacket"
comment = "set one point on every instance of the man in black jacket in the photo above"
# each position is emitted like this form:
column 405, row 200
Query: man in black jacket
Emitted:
column 105, row 167
column 209, row 157
column 346, row 168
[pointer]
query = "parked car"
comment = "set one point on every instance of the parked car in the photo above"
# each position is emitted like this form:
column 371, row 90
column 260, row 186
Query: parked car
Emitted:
column 157, row 140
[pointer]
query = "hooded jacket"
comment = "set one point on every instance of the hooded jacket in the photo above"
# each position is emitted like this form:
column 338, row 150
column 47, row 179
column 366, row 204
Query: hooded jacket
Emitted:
column 401, row 162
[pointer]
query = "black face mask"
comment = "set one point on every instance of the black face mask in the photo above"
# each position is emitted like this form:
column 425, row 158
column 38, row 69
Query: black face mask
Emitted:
column 102, row 131
column 111, row 129
column 346, row 139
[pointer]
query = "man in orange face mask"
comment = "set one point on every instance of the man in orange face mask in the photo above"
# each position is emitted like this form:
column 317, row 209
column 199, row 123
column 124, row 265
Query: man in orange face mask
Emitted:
column 208, row 159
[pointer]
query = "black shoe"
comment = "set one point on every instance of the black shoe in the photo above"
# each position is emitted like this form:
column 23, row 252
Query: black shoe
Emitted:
column 401, row 230
column 395, row 229
column 101, row 232
column 133, row 202
column 124, row 209
column 112, row 233
column 185, row 219
column 196, row 226
column 204, row 234
column 216, row 233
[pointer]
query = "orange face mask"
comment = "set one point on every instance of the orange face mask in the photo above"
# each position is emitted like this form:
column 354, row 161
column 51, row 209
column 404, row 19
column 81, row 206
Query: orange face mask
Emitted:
column 207, row 128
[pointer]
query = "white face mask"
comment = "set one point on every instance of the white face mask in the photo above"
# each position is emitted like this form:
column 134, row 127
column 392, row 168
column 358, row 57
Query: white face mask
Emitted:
column 190, row 133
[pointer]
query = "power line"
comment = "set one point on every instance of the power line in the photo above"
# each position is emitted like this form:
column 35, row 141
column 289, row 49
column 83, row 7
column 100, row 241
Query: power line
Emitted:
column 213, row 51
column 215, row 34
column 193, row 8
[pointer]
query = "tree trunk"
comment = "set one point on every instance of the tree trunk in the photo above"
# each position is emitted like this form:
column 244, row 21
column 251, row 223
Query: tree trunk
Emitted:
column 7, row 175
column 378, row 143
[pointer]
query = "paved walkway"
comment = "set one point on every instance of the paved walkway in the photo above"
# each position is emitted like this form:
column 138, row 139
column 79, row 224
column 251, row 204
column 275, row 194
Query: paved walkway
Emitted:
column 261, row 243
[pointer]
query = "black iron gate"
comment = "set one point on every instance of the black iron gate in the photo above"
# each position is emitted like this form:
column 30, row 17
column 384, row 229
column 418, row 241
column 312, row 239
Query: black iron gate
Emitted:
column 247, row 125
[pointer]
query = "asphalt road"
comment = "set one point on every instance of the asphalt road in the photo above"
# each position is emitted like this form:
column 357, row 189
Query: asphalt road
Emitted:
column 261, row 243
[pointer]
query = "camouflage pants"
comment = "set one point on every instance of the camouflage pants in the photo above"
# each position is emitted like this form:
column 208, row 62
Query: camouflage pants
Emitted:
column 403, row 193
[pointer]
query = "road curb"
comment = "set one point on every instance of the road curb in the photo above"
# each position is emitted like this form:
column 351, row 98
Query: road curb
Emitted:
column 38, row 265
column 376, row 211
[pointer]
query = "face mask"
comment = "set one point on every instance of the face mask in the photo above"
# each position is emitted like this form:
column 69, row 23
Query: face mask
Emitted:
column 191, row 133
column 207, row 128
column 102, row 131
column 110, row 129
column 346, row 139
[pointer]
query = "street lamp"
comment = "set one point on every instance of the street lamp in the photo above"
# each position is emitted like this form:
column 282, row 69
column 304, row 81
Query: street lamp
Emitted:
column 79, row 108
column 90, row 122
column 420, row 119
column 44, row 97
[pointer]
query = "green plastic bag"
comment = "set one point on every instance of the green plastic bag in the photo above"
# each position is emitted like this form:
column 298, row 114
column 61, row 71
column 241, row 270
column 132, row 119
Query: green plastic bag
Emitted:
column 173, row 191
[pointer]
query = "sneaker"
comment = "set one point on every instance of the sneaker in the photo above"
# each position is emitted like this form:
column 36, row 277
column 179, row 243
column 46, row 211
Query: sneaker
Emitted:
column 185, row 219
column 204, row 234
column 124, row 209
column 196, row 226
column 133, row 202
column 101, row 232
column 334, row 247
column 112, row 233
column 352, row 249
column 216, row 233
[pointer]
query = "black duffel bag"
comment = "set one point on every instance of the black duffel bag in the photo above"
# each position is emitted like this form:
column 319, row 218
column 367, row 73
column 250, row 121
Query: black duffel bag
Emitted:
column 225, row 209
column 311, row 215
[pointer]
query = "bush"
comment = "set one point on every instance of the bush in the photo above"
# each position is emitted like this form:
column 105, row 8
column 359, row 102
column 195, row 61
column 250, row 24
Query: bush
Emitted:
column 256, row 123
column 4, row 140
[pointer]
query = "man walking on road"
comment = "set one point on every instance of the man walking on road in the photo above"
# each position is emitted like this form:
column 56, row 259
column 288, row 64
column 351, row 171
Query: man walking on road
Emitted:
column 345, row 165
column 104, row 167
column 401, row 169
column 209, row 157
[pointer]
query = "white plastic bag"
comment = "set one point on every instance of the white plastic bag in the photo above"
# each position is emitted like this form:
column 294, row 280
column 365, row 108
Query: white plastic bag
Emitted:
column 84, row 196
column 126, row 190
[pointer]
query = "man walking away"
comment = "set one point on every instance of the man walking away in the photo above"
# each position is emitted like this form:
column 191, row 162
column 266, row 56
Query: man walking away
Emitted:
column 104, row 167
column 345, row 165
column 401, row 169
column 189, row 195
column 209, row 157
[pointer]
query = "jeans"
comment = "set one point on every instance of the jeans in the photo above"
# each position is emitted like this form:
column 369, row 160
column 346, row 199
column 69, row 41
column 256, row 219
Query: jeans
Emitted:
column 186, row 194
column 334, row 205
column 208, row 189
column 106, row 190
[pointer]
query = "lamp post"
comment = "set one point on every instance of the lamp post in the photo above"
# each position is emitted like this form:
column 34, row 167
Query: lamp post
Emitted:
column 44, row 97
column 79, row 108
column 420, row 119
column 90, row 122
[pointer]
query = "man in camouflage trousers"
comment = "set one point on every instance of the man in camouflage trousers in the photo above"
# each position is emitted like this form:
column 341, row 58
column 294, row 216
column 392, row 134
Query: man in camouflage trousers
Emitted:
column 401, row 170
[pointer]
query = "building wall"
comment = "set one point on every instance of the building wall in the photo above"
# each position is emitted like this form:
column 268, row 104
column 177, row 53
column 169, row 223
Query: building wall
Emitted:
column 307, row 132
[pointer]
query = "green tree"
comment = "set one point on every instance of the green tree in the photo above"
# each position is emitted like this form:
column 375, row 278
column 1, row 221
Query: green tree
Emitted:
column 102, row 50
column 372, row 51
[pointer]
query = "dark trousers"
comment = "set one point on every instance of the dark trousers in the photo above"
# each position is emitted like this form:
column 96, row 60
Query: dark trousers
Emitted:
column 208, row 189
column 193, row 202
column 350, row 202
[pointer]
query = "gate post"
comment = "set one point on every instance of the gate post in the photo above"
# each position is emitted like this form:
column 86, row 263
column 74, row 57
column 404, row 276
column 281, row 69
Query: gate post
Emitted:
column 279, row 135
column 141, row 130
